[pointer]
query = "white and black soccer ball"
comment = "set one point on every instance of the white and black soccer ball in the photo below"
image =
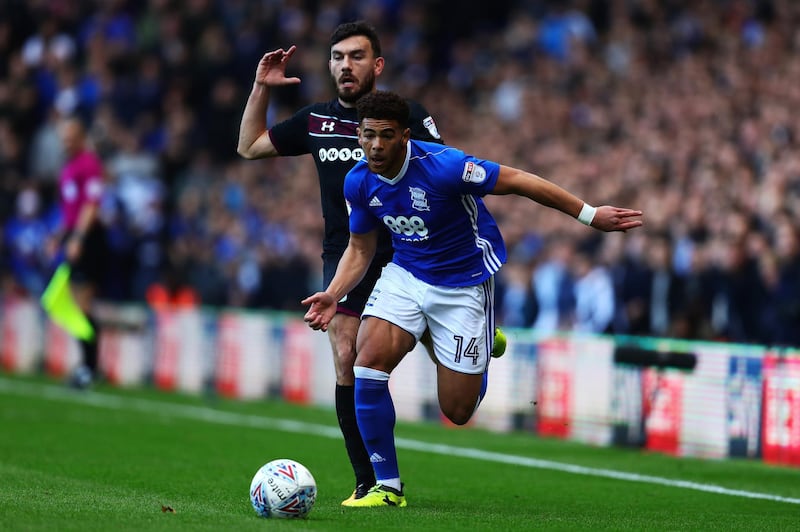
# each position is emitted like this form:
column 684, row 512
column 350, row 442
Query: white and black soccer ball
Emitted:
column 283, row 488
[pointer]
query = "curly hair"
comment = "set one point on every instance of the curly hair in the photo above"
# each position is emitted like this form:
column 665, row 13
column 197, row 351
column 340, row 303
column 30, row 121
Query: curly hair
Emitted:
column 359, row 27
column 383, row 105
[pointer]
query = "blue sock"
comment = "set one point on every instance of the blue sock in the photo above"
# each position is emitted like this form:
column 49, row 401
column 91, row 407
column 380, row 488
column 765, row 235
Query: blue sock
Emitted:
column 376, row 417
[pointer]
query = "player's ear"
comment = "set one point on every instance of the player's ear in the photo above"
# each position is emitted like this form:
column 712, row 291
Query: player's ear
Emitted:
column 379, row 64
column 406, row 135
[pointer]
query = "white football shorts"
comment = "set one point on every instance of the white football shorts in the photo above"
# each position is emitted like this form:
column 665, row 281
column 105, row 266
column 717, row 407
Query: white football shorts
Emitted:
column 461, row 319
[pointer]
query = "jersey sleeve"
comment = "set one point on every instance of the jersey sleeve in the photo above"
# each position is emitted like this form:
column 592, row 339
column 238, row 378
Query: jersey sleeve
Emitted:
column 470, row 175
column 93, row 179
column 422, row 124
column 290, row 136
column 361, row 219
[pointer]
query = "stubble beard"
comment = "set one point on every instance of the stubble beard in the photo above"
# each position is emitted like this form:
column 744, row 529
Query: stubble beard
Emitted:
column 352, row 97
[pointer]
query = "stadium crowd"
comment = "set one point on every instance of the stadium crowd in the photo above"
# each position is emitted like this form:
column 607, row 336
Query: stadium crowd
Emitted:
column 685, row 109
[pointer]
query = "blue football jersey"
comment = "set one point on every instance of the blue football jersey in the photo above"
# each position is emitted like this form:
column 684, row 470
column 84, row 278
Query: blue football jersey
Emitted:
column 441, row 230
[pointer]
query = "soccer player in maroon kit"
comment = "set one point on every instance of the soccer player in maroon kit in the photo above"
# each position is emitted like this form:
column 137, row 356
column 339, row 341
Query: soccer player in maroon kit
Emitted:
column 80, row 187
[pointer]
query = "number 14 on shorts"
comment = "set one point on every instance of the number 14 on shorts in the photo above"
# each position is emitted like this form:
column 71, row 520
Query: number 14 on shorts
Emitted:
column 470, row 350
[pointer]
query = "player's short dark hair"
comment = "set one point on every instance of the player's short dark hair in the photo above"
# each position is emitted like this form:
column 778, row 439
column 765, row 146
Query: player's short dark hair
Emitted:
column 359, row 27
column 383, row 105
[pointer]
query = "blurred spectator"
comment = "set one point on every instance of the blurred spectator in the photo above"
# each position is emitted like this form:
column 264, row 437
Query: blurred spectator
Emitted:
column 736, row 311
column 785, row 293
column 202, row 272
column 27, row 239
column 221, row 118
column 663, row 291
column 515, row 302
column 562, row 30
column 698, row 294
column 554, row 287
column 45, row 156
column 594, row 295
column 48, row 42
column 171, row 292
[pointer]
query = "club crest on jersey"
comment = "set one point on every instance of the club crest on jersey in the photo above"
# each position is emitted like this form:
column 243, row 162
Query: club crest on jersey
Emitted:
column 473, row 173
column 418, row 199
column 430, row 125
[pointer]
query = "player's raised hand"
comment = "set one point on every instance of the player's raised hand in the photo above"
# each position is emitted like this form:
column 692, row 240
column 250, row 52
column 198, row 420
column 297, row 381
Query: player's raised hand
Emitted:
column 271, row 70
column 321, row 312
column 608, row 218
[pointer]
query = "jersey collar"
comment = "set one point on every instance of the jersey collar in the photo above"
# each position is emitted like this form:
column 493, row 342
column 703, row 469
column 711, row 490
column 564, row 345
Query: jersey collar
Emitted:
column 403, row 169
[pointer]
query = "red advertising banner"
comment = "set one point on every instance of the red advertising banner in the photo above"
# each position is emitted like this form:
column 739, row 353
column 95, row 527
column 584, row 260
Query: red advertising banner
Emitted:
column 123, row 356
column 168, row 340
column 663, row 407
column 554, row 391
column 296, row 383
column 9, row 356
column 21, row 334
column 57, row 350
column 781, row 409
column 229, row 356
column 110, row 352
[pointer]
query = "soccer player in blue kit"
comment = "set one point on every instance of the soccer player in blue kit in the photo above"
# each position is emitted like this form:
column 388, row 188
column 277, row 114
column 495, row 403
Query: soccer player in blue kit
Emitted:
column 327, row 131
column 447, row 250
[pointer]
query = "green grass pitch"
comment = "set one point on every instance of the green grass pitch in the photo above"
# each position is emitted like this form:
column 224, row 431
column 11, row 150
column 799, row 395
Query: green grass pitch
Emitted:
column 113, row 459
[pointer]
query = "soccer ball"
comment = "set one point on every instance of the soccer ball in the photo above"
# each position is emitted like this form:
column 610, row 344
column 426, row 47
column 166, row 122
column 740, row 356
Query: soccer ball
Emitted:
column 283, row 488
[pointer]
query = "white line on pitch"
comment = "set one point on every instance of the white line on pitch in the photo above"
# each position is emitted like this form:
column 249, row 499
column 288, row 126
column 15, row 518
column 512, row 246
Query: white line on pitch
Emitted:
column 210, row 415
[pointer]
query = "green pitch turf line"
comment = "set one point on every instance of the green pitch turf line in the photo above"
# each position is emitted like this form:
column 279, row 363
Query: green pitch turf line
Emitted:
column 209, row 415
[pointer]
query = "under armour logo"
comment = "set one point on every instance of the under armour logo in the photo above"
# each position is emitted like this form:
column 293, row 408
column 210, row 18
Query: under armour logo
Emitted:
column 328, row 126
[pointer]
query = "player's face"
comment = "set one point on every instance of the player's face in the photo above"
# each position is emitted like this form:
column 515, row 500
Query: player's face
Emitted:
column 71, row 137
column 354, row 68
column 384, row 143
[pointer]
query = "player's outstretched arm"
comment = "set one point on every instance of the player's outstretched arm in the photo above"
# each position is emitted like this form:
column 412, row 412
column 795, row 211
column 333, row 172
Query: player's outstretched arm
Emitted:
column 351, row 269
column 605, row 218
column 254, row 142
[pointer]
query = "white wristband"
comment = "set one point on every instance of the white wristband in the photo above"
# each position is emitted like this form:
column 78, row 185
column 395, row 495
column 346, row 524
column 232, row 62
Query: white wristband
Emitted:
column 587, row 214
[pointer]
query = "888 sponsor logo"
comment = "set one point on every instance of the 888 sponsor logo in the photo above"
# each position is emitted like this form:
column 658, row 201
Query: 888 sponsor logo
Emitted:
column 340, row 154
column 406, row 226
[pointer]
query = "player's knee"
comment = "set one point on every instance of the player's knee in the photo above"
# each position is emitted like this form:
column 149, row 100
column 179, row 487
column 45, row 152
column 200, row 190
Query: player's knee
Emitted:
column 370, row 353
column 345, row 357
column 370, row 359
column 343, row 340
column 459, row 414
column 344, row 354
